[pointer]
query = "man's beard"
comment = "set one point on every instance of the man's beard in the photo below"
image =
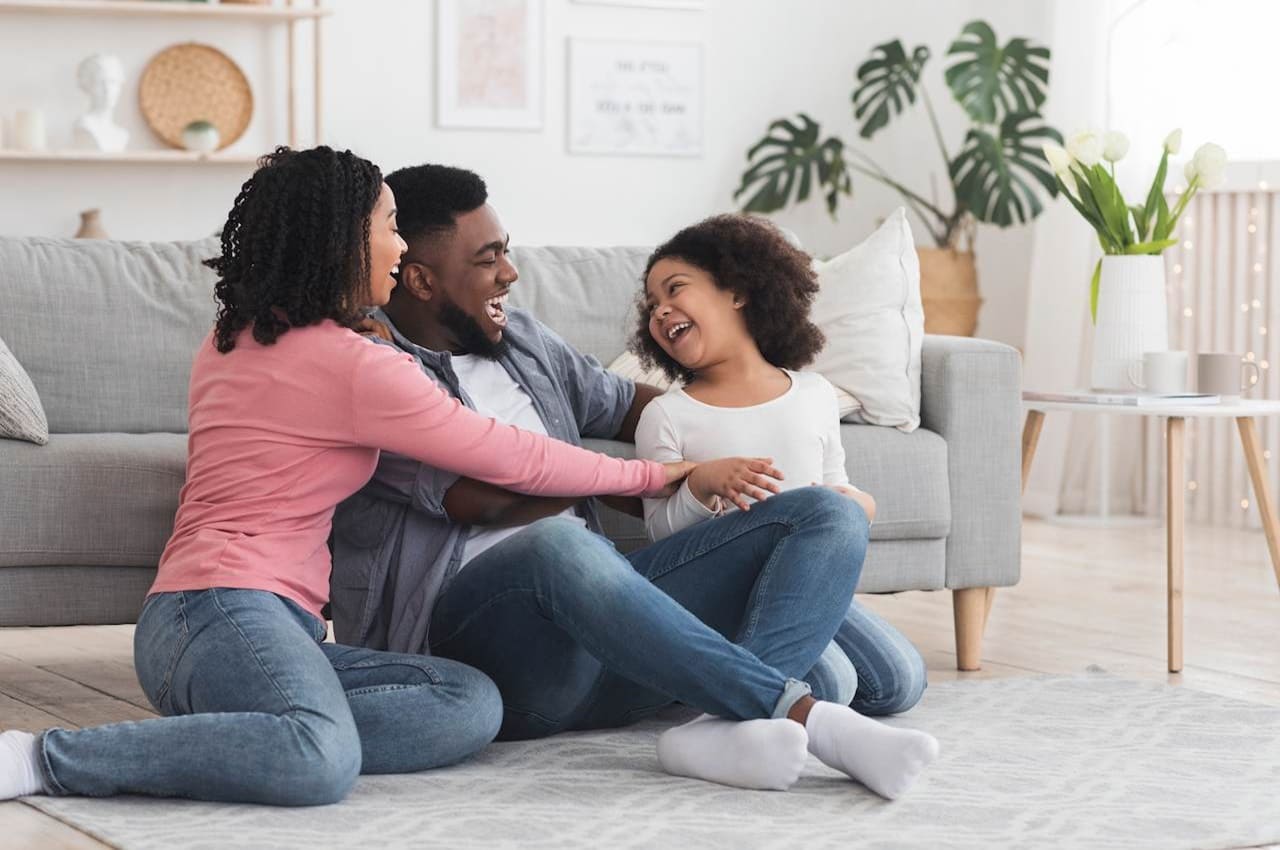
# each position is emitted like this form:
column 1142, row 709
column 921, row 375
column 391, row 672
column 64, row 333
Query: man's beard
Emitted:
column 469, row 335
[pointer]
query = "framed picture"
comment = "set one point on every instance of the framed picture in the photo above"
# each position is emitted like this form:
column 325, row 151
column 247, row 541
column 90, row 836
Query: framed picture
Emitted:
column 635, row 98
column 691, row 5
column 490, row 69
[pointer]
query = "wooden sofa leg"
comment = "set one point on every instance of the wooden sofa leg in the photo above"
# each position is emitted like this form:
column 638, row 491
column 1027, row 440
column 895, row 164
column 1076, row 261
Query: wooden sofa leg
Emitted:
column 970, row 604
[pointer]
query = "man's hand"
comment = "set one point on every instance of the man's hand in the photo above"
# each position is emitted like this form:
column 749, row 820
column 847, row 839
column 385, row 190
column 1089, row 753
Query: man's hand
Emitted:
column 369, row 326
column 735, row 479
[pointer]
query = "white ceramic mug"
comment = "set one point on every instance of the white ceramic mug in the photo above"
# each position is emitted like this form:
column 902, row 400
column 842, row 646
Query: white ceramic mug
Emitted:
column 1160, row 372
column 1224, row 375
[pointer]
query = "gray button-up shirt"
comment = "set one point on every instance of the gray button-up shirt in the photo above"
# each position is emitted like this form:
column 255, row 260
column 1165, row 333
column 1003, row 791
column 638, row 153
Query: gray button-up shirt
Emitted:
column 395, row 548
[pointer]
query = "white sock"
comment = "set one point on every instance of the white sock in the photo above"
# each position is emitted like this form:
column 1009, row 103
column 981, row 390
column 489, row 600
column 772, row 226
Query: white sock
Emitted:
column 19, row 770
column 760, row 754
column 883, row 758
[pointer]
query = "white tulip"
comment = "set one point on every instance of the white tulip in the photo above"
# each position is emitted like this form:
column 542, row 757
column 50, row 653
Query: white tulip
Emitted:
column 1114, row 146
column 1059, row 159
column 1085, row 147
column 1069, row 180
column 1189, row 171
column 1173, row 142
column 1210, row 160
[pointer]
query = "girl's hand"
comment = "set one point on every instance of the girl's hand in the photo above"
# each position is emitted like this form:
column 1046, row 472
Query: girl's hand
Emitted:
column 676, row 472
column 862, row 498
column 735, row 479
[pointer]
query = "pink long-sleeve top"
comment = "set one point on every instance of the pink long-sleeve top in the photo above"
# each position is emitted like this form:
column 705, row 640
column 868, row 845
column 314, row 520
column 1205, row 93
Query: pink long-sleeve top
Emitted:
column 280, row 434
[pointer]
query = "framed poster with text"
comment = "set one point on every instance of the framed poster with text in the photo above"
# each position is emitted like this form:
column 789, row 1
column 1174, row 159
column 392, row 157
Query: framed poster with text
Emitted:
column 635, row 98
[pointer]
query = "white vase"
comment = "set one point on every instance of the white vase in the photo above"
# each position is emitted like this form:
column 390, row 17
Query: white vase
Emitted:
column 1133, row 318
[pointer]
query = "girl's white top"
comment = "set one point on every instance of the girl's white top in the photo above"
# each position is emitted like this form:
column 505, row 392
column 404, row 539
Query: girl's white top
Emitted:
column 799, row 429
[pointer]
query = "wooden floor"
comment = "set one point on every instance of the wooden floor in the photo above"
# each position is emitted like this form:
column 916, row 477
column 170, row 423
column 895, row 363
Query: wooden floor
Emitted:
column 1087, row 597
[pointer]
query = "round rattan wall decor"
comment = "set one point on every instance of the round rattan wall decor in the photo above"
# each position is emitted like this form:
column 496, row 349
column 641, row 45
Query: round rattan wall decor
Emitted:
column 195, row 82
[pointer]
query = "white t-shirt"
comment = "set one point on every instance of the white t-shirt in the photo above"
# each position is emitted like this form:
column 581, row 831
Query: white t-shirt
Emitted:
column 799, row 429
column 496, row 394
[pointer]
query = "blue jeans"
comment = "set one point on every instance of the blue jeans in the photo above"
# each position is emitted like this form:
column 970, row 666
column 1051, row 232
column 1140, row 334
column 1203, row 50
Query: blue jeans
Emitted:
column 259, row 710
column 720, row 616
column 890, row 672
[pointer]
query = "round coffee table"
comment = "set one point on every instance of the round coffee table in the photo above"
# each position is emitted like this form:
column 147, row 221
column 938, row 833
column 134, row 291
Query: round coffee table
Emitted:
column 1244, row 412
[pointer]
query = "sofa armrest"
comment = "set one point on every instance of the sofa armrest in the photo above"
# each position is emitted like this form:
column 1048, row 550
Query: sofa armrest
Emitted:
column 971, row 395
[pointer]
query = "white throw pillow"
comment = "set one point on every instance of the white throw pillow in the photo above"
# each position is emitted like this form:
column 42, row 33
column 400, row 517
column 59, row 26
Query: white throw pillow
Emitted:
column 628, row 366
column 868, row 305
column 21, row 414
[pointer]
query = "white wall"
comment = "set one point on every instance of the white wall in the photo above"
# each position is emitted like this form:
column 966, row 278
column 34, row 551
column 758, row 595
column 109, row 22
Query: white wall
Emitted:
column 764, row 59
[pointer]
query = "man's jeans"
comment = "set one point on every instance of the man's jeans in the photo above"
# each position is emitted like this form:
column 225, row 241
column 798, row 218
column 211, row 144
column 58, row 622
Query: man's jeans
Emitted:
column 720, row 616
column 259, row 710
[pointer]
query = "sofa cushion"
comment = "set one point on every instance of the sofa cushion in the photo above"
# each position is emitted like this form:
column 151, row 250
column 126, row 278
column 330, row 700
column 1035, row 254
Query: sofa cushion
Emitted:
column 21, row 415
column 90, row 499
column 107, row 330
column 587, row 295
column 906, row 473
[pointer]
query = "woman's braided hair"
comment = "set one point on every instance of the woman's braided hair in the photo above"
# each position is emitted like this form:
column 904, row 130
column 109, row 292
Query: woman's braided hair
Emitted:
column 295, row 248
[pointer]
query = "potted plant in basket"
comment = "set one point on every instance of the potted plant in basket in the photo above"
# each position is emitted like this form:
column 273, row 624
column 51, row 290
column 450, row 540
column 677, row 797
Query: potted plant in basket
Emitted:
column 1127, row 292
column 993, row 174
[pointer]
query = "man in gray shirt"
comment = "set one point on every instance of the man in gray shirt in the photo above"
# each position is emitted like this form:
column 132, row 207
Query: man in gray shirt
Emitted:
column 425, row 561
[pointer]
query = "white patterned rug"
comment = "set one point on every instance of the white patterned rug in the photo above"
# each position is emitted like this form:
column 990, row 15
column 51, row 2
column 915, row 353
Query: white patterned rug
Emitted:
column 1089, row 761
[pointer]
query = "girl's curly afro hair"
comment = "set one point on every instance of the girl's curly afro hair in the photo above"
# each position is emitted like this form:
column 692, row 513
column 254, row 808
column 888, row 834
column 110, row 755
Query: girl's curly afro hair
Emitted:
column 295, row 248
column 752, row 258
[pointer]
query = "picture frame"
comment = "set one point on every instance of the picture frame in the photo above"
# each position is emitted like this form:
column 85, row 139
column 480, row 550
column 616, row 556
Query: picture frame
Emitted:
column 635, row 98
column 489, row 64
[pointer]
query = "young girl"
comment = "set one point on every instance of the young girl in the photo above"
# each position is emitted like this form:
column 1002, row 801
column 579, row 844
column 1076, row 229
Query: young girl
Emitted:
column 726, row 311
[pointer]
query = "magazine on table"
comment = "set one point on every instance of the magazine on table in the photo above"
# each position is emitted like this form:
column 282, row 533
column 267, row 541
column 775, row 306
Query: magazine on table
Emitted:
column 1124, row 399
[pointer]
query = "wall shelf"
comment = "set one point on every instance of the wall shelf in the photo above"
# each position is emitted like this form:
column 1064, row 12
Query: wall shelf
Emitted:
column 139, row 156
column 286, row 13
column 161, row 8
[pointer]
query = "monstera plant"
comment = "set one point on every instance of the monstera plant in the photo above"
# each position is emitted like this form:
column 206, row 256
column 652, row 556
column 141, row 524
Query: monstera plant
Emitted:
column 996, row 174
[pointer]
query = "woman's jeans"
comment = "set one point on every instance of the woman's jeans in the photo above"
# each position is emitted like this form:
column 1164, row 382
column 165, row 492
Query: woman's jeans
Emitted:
column 257, row 709
column 725, row 616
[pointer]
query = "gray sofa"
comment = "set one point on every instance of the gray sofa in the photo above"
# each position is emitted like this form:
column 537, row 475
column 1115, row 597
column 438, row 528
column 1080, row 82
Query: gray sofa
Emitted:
column 107, row 330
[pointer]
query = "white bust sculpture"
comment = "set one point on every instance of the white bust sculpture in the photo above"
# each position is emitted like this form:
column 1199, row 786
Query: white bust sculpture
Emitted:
column 101, row 76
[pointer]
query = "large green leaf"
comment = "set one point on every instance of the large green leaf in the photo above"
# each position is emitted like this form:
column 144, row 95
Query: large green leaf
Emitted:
column 990, row 81
column 886, row 85
column 789, row 160
column 993, row 175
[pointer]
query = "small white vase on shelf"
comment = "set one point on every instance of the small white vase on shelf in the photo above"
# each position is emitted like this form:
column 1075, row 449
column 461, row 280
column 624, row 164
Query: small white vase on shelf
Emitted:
column 201, row 137
column 1133, row 318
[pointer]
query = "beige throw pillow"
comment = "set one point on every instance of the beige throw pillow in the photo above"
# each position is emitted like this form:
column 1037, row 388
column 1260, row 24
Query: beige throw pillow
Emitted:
column 868, row 305
column 21, row 414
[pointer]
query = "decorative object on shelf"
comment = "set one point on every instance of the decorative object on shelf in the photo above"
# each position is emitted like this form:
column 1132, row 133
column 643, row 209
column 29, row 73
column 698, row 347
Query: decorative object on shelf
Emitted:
column 195, row 82
column 91, row 225
column 101, row 77
column 490, row 64
column 993, row 175
column 635, row 98
column 200, row 136
column 1127, row 297
column 28, row 130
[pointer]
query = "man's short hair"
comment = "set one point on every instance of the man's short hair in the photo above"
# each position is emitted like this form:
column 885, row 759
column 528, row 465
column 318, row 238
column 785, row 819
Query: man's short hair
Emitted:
column 429, row 198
